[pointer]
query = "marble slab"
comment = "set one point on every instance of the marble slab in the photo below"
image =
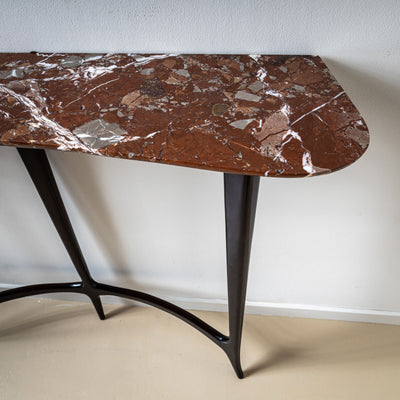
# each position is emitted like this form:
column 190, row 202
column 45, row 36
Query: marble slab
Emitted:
column 248, row 114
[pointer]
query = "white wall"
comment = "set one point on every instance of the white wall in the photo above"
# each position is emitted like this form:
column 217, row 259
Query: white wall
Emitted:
column 327, row 244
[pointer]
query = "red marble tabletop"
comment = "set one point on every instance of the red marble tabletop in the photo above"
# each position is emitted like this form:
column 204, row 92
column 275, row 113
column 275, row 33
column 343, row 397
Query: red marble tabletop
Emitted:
column 247, row 114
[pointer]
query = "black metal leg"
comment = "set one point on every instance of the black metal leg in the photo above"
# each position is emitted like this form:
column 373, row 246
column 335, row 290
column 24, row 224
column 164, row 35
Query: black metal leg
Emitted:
column 240, row 208
column 39, row 169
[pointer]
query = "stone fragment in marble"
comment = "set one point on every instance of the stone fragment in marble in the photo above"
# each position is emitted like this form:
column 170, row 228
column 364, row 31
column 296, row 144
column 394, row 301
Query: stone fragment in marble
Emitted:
column 242, row 123
column 99, row 133
column 183, row 72
column 219, row 109
column 71, row 61
column 131, row 99
column 247, row 96
column 256, row 86
column 147, row 71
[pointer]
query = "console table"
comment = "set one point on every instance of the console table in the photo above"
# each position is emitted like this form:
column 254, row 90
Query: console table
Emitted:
column 243, row 115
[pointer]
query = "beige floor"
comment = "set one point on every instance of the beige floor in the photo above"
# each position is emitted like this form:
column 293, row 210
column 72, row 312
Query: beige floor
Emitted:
column 60, row 350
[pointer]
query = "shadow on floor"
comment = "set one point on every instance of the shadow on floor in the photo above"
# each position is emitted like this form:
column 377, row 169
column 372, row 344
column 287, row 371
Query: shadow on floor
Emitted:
column 295, row 342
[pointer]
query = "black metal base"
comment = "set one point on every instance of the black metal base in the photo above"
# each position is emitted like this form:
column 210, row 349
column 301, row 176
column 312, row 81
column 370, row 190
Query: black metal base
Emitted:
column 240, row 206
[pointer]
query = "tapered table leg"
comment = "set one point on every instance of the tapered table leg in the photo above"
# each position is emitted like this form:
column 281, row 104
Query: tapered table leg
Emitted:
column 39, row 169
column 240, row 207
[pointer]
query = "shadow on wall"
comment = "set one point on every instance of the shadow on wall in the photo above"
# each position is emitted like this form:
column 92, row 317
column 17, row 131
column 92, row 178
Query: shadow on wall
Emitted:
column 370, row 90
column 78, row 176
column 83, row 180
column 378, row 99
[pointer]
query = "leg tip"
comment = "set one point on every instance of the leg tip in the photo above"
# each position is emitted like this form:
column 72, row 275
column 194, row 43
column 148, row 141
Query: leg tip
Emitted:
column 98, row 307
column 239, row 373
column 102, row 317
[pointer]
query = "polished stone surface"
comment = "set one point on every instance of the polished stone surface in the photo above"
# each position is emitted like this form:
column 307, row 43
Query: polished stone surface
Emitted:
column 247, row 114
